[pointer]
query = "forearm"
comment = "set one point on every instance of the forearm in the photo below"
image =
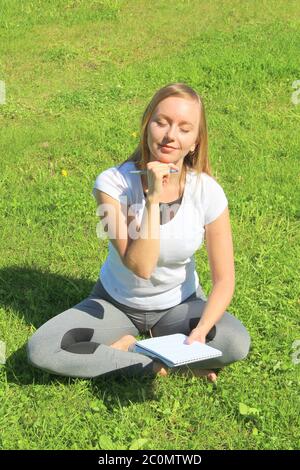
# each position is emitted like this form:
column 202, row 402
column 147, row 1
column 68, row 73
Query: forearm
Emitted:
column 143, row 253
column 217, row 302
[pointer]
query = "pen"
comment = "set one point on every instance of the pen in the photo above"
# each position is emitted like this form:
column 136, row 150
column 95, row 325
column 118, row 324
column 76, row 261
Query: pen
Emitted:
column 138, row 172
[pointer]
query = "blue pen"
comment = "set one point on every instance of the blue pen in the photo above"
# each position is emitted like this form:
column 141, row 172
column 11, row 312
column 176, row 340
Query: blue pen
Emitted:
column 138, row 172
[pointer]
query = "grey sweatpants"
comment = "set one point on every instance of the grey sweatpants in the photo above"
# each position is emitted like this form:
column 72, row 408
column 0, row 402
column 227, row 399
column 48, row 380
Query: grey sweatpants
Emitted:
column 76, row 343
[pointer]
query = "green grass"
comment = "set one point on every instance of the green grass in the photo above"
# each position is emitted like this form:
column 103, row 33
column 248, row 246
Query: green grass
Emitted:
column 78, row 76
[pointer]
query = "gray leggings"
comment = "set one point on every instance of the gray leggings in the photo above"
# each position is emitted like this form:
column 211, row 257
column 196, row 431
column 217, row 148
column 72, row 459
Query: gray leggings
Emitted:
column 76, row 343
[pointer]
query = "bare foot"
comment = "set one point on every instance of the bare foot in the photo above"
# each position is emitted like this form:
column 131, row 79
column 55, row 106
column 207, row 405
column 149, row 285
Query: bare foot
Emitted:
column 160, row 369
column 209, row 374
column 124, row 343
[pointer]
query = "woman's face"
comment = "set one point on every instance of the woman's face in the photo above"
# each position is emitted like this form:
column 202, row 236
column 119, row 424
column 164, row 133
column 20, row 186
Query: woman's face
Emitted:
column 175, row 122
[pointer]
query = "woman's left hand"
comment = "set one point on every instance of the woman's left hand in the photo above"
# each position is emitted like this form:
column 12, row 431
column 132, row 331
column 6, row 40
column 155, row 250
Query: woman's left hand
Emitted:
column 197, row 334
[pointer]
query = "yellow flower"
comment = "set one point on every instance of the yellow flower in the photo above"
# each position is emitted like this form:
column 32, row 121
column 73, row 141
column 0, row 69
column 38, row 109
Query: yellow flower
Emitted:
column 64, row 172
column 134, row 134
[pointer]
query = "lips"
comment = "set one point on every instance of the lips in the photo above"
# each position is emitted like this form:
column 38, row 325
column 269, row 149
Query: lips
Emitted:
column 168, row 147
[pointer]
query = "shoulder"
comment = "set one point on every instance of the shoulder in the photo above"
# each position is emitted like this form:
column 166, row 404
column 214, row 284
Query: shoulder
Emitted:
column 208, row 195
column 210, row 181
column 115, row 181
column 208, row 185
column 214, row 199
column 203, row 180
column 125, row 168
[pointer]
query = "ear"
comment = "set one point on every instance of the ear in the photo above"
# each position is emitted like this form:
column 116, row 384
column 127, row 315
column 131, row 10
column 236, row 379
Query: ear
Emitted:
column 194, row 146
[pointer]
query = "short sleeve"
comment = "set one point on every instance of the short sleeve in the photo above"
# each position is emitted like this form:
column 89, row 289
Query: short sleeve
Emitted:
column 214, row 199
column 111, row 182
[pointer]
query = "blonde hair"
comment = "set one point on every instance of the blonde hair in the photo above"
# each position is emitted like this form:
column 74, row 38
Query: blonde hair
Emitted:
column 196, row 160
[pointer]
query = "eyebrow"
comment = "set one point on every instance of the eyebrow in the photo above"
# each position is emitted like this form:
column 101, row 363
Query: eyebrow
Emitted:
column 182, row 122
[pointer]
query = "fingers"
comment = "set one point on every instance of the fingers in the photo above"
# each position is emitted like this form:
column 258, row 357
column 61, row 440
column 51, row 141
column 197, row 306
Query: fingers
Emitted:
column 195, row 335
column 159, row 168
column 158, row 175
column 190, row 339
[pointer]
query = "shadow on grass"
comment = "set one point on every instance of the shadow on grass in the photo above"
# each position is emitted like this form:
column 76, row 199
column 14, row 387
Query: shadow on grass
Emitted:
column 37, row 296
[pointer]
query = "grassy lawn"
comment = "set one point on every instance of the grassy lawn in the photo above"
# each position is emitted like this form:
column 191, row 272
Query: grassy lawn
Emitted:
column 78, row 75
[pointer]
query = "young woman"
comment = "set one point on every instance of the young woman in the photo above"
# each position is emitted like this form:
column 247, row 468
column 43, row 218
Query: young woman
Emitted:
column 155, row 221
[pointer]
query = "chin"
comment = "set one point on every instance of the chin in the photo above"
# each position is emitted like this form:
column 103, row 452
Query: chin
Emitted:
column 163, row 157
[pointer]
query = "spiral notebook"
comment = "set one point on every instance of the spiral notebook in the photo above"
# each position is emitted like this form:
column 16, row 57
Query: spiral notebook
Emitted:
column 172, row 350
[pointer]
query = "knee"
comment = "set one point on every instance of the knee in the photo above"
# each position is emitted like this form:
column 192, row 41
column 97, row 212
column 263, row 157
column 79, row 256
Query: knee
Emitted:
column 32, row 350
column 240, row 345
column 35, row 349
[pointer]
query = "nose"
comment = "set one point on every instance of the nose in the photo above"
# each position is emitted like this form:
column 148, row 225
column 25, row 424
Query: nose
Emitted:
column 171, row 134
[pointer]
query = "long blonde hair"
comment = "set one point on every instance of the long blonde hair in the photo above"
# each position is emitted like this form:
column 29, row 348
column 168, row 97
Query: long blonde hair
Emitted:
column 196, row 160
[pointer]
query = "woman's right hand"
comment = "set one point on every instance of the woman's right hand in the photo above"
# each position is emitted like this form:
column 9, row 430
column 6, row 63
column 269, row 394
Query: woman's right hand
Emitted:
column 158, row 175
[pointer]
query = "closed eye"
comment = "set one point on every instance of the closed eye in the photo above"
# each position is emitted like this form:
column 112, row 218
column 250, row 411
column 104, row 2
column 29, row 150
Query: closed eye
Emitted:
column 161, row 124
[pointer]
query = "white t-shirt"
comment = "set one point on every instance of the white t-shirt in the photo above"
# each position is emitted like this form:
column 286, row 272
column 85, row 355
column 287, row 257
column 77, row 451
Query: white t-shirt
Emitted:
column 174, row 278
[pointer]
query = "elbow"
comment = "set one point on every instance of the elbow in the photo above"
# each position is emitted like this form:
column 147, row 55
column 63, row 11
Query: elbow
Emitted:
column 143, row 276
column 133, row 267
column 141, row 273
